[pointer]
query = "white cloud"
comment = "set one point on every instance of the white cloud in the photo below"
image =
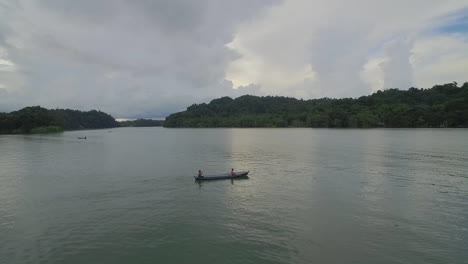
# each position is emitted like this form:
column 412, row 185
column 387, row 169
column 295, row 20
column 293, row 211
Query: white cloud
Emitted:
column 427, row 61
column 339, row 42
column 7, row 66
column 440, row 59
column 373, row 74
column 397, row 69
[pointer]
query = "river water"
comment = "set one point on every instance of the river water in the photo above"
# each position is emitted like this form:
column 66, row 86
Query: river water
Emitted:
column 127, row 195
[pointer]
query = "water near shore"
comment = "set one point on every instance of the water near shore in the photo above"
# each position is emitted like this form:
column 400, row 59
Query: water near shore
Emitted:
column 127, row 195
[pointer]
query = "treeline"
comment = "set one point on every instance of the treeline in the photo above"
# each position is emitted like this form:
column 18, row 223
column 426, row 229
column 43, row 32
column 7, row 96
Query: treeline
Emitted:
column 142, row 123
column 440, row 106
column 40, row 120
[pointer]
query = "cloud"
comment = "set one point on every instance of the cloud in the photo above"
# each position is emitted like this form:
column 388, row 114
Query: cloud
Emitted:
column 339, row 43
column 128, row 58
column 428, row 60
column 440, row 59
column 150, row 58
column 397, row 67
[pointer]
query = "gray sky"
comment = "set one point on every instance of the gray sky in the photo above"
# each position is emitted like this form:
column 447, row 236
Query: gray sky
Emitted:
column 146, row 58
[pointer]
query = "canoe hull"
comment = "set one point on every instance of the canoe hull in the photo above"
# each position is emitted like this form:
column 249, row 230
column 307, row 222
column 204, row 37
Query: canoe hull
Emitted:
column 240, row 174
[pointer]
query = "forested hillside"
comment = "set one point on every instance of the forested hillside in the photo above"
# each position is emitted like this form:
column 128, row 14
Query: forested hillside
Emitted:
column 40, row 120
column 440, row 106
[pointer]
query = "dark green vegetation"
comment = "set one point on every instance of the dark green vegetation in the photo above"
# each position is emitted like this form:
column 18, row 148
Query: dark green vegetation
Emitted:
column 142, row 123
column 441, row 106
column 40, row 120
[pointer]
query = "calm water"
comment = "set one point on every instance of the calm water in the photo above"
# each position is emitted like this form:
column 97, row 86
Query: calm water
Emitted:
column 127, row 195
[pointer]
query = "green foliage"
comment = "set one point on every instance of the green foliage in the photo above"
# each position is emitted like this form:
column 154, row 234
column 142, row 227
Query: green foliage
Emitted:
column 142, row 123
column 40, row 120
column 441, row 106
column 46, row 130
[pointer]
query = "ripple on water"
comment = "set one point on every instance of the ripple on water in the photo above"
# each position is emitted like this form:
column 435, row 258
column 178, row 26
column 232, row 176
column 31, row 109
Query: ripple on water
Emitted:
column 314, row 196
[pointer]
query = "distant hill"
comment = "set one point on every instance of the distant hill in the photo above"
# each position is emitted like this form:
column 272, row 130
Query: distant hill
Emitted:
column 36, row 119
column 142, row 123
column 440, row 106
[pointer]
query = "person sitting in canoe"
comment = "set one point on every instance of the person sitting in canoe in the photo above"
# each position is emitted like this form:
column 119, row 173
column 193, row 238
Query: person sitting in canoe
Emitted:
column 200, row 173
column 233, row 173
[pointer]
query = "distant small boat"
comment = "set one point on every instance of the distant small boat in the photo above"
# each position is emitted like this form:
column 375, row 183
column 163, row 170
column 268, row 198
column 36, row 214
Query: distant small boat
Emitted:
column 81, row 137
column 239, row 174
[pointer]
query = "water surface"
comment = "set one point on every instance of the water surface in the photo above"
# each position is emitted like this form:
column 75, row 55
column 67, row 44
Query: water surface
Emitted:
column 127, row 195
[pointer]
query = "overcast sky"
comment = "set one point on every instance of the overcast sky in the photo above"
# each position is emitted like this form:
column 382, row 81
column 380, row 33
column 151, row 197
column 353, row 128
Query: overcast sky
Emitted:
column 149, row 58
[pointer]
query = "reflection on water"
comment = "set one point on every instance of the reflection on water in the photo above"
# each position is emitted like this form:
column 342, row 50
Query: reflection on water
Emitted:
column 313, row 195
column 232, row 181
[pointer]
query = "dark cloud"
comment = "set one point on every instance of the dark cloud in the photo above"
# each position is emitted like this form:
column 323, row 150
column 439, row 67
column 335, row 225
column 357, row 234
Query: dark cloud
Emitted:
column 130, row 58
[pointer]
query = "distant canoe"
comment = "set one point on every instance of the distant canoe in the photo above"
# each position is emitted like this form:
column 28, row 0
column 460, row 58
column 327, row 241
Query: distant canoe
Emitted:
column 240, row 174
